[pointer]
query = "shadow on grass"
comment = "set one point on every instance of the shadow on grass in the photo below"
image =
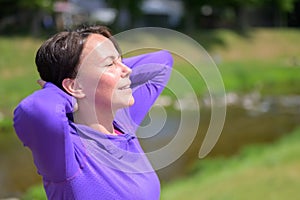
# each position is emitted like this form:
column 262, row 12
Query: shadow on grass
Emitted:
column 215, row 37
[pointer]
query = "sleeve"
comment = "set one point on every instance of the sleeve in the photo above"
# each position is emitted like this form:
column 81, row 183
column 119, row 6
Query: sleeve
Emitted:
column 41, row 123
column 150, row 74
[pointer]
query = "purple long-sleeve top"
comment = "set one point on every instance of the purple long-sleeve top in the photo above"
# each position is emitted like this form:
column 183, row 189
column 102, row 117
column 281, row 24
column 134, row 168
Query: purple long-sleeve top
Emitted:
column 78, row 162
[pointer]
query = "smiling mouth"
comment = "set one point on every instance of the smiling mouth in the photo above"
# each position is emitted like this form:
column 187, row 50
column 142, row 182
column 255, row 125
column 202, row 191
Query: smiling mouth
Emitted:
column 125, row 87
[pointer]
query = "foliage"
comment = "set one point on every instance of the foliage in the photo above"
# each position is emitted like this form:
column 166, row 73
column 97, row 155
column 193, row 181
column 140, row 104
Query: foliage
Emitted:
column 9, row 7
column 282, row 5
column 36, row 4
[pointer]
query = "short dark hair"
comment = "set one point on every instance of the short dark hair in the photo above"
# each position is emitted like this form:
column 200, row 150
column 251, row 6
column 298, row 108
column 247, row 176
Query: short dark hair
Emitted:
column 58, row 57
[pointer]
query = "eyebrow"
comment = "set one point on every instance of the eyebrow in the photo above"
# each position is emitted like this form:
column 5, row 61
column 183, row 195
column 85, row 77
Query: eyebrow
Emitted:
column 112, row 57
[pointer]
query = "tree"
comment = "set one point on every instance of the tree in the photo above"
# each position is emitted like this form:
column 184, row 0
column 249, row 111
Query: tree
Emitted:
column 127, row 8
column 18, row 13
column 282, row 8
column 238, row 7
column 192, row 7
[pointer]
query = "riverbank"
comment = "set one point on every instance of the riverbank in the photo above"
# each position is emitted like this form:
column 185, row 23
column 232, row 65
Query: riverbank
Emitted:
column 258, row 172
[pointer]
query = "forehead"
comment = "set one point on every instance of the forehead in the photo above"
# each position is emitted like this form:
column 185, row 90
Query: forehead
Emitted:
column 95, row 39
column 99, row 45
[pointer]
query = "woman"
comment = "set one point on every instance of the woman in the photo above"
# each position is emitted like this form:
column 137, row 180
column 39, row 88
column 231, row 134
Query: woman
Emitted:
column 81, row 126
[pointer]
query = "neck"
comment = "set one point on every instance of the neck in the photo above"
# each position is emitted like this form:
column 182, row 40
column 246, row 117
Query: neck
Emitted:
column 100, row 119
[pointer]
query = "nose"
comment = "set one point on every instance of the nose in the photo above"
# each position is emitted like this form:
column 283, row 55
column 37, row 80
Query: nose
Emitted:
column 125, row 71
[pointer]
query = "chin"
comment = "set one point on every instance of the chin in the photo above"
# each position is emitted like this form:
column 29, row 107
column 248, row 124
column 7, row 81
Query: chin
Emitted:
column 124, row 104
column 131, row 101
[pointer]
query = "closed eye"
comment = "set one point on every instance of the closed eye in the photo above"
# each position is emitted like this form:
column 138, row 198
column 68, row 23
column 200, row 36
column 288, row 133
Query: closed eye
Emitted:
column 109, row 65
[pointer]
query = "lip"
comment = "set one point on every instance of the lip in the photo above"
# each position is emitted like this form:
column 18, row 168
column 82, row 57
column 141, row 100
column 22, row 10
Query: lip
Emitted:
column 125, row 87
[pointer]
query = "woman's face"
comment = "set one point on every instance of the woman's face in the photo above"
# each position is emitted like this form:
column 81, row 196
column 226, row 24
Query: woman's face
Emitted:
column 103, row 78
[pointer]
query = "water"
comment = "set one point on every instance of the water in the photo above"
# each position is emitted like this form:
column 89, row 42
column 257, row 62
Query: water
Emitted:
column 17, row 171
column 250, row 119
column 247, row 122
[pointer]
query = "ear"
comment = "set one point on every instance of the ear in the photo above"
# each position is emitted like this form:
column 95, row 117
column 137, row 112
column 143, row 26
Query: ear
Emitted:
column 73, row 88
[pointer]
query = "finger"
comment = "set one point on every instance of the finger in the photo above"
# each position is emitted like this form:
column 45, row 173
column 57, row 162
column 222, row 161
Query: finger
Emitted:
column 41, row 82
column 75, row 108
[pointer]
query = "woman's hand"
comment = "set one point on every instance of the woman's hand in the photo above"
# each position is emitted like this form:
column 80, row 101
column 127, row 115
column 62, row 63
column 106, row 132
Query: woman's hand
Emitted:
column 41, row 82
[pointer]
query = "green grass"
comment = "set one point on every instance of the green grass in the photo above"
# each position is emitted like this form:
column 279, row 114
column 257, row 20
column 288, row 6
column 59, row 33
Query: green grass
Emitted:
column 267, row 77
column 258, row 172
column 266, row 60
column 17, row 71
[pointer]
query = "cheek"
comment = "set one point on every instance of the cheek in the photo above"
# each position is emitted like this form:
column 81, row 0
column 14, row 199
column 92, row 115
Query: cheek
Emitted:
column 107, row 84
column 99, row 86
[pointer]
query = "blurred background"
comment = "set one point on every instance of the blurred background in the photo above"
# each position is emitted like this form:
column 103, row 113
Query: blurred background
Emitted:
column 255, row 45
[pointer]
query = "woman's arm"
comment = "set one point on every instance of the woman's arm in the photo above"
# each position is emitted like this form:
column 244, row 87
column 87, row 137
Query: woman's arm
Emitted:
column 41, row 123
column 150, row 74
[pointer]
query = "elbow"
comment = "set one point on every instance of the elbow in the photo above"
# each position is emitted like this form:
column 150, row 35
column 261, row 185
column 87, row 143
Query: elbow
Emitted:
column 20, row 123
column 168, row 58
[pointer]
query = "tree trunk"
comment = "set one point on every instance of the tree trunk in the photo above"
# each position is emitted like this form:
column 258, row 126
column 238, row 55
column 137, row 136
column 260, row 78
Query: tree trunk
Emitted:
column 189, row 20
column 240, row 18
column 280, row 18
column 36, row 22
